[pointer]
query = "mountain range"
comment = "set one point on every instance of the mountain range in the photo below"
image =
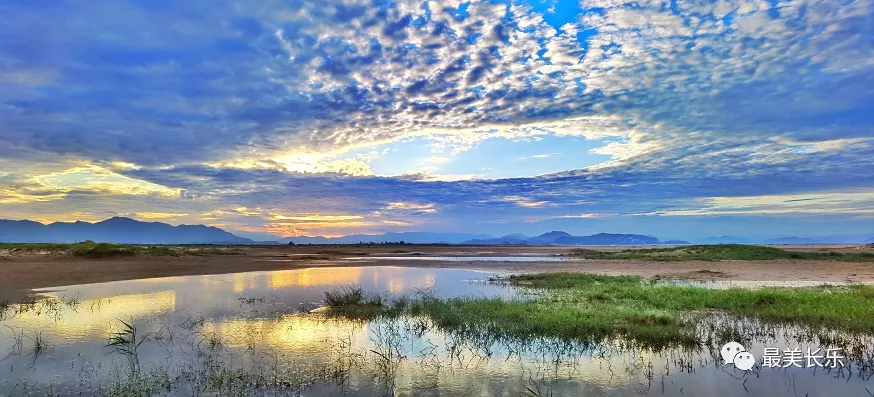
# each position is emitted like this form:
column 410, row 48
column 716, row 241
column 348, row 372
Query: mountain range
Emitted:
column 406, row 237
column 116, row 230
column 126, row 230
column 564, row 238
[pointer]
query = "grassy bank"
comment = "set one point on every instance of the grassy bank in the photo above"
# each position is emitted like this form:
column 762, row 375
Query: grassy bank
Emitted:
column 91, row 249
column 593, row 308
column 721, row 252
column 846, row 308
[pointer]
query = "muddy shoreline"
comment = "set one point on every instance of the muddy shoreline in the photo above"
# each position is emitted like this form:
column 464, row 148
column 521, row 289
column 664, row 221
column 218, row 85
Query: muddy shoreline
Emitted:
column 25, row 272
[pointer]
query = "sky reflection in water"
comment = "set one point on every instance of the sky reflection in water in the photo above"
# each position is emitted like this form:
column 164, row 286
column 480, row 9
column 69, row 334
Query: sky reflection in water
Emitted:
column 254, row 321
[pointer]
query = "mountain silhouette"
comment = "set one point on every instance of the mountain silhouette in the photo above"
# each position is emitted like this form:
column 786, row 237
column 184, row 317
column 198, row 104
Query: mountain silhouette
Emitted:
column 607, row 239
column 564, row 238
column 793, row 240
column 115, row 230
column 407, row 237
column 547, row 238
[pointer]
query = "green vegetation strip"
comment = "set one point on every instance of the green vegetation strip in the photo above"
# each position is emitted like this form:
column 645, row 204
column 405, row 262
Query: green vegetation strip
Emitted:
column 592, row 308
column 90, row 249
column 722, row 252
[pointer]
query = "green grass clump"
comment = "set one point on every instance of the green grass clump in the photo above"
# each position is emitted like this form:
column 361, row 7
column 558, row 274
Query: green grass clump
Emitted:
column 527, row 320
column 721, row 252
column 850, row 309
column 90, row 249
column 351, row 296
column 592, row 308
column 102, row 250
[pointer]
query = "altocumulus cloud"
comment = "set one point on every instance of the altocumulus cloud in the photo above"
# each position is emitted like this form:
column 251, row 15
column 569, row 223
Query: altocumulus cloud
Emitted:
column 244, row 114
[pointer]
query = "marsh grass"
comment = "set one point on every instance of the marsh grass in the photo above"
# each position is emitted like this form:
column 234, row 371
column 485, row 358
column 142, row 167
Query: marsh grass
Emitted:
column 154, row 382
column 721, row 252
column 557, row 330
column 351, row 296
column 845, row 308
column 126, row 343
column 250, row 300
column 27, row 304
column 388, row 351
column 6, row 309
column 209, row 369
column 192, row 321
column 532, row 389
column 40, row 345
column 496, row 319
column 17, row 338
column 90, row 249
column 593, row 308
column 72, row 302
column 207, row 250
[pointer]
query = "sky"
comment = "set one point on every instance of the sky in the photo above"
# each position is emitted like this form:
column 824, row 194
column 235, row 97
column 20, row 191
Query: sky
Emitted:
column 285, row 118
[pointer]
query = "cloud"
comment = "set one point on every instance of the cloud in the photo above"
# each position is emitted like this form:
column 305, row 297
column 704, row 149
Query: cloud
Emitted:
column 858, row 203
column 523, row 201
column 399, row 205
column 199, row 108
column 96, row 179
column 158, row 215
column 396, row 223
column 316, row 218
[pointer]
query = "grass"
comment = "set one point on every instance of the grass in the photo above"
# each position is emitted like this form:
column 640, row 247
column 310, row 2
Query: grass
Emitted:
column 572, row 307
column 90, row 249
column 351, row 296
column 210, row 370
column 126, row 343
column 5, row 305
column 721, row 252
column 39, row 345
column 524, row 320
column 17, row 341
column 594, row 308
column 849, row 308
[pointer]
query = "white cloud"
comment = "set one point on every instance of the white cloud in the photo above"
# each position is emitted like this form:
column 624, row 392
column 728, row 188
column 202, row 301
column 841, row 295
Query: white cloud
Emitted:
column 821, row 203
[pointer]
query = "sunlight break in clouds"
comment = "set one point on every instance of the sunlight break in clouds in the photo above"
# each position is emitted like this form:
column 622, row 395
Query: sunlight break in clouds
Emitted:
column 421, row 115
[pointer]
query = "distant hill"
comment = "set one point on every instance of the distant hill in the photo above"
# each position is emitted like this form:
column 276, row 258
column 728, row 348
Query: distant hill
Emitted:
column 564, row 238
column 794, row 240
column 725, row 240
column 495, row 241
column 115, row 230
column 407, row 237
column 607, row 239
column 547, row 238
column 822, row 239
column 127, row 230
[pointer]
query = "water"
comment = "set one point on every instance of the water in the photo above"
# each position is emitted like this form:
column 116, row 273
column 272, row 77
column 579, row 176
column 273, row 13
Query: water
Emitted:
column 466, row 258
column 251, row 334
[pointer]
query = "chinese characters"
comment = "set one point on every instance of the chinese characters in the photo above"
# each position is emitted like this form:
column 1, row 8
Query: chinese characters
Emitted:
column 774, row 358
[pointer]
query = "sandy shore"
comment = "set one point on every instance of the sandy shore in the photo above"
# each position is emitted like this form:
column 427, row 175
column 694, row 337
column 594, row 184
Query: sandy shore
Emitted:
column 21, row 272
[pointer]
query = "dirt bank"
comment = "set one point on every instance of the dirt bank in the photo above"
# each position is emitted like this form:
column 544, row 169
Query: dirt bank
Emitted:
column 19, row 272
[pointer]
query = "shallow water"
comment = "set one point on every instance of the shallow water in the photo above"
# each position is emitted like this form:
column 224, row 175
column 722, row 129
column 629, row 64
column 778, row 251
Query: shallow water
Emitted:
column 203, row 333
column 467, row 258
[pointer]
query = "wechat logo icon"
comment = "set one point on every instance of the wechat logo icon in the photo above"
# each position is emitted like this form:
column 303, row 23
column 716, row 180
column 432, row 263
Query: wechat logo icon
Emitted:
column 735, row 353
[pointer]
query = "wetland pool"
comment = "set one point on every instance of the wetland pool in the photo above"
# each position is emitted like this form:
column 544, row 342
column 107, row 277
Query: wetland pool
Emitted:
column 253, row 334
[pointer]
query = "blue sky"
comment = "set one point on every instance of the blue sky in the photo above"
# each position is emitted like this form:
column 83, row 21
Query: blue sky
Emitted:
column 673, row 118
